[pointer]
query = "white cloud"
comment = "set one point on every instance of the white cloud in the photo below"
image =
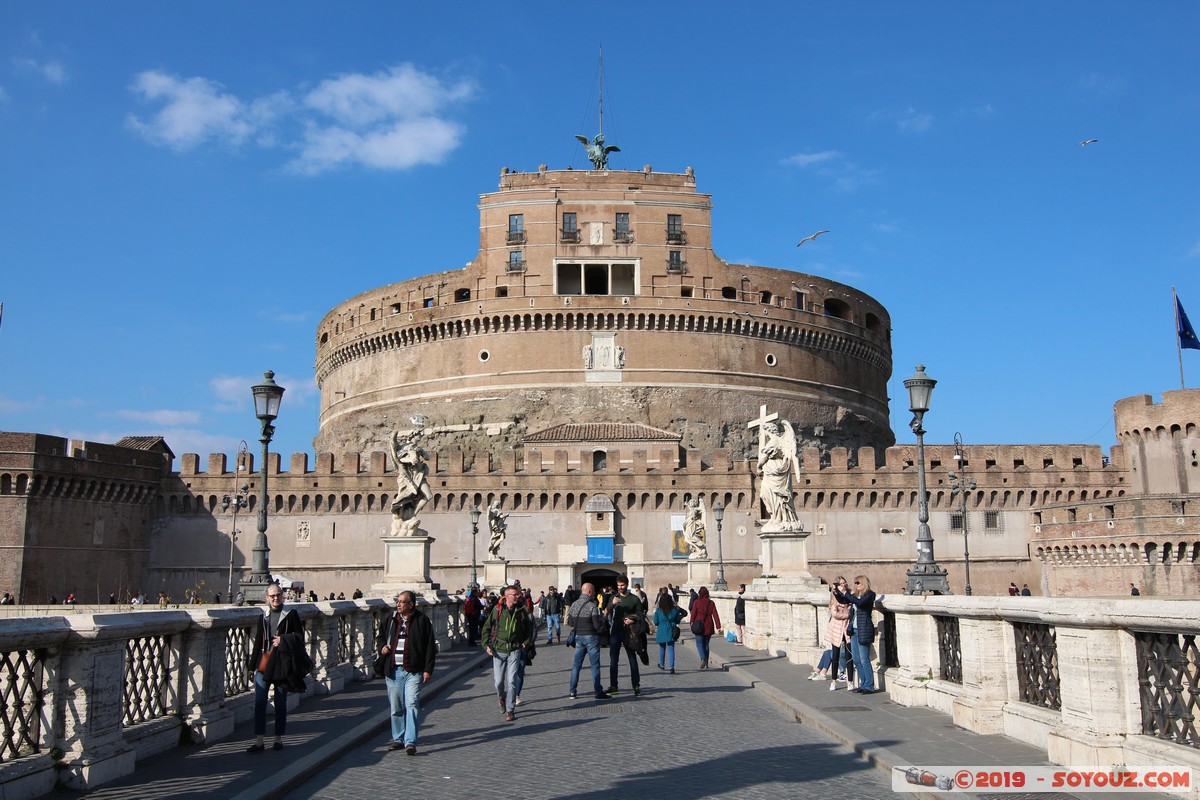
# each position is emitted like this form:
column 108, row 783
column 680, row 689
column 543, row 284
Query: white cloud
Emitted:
column 391, row 120
column 233, row 391
column 913, row 122
column 809, row 159
column 196, row 110
column 161, row 417
column 399, row 93
column 400, row 146
column 51, row 71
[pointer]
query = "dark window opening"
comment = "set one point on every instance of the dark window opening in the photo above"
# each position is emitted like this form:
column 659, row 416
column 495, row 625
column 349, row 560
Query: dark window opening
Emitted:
column 729, row 293
column 462, row 295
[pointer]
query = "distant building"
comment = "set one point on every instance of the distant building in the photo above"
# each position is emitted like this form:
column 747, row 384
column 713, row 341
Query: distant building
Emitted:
column 596, row 365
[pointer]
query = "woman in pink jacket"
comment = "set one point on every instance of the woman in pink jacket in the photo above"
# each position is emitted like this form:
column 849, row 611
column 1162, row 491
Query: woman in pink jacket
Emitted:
column 705, row 622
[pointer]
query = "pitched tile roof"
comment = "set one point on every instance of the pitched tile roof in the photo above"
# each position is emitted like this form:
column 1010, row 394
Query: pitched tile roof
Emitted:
column 571, row 432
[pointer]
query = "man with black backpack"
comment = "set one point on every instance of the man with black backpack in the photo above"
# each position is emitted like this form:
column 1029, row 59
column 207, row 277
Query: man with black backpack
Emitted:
column 508, row 632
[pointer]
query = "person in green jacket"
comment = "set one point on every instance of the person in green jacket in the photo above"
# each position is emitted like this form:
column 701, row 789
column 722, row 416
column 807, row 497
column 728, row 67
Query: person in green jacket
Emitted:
column 508, row 632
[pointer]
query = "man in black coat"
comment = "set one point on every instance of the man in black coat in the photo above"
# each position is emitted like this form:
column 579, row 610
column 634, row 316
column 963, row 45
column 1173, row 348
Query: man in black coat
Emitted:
column 408, row 650
column 275, row 624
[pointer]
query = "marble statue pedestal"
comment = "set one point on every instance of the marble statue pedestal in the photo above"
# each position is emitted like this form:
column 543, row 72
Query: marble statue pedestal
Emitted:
column 785, row 563
column 405, row 566
column 495, row 574
column 700, row 573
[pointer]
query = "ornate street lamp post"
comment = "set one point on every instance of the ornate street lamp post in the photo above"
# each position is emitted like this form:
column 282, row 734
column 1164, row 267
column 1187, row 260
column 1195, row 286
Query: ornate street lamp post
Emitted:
column 925, row 575
column 239, row 499
column 475, row 512
column 267, row 396
column 961, row 485
column 718, row 512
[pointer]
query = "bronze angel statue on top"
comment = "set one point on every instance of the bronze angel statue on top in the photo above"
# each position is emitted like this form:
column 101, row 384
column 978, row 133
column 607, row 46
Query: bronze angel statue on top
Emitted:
column 597, row 152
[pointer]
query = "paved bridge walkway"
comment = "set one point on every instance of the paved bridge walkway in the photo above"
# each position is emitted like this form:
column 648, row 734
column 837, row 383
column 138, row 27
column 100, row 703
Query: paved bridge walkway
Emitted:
column 751, row 727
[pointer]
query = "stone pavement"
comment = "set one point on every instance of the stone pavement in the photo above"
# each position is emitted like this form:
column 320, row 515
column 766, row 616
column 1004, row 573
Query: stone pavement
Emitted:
column 729, row 732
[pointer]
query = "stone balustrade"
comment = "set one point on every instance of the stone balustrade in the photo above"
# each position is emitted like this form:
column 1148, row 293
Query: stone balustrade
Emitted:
column 83, row 697
column 1093, row 682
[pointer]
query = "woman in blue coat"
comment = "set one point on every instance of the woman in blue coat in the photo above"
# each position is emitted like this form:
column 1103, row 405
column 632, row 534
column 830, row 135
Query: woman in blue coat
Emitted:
column 863, row 600
column 666, row 621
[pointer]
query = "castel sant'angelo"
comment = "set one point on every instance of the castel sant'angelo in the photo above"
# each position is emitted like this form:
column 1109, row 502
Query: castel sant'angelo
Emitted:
column 589, row 377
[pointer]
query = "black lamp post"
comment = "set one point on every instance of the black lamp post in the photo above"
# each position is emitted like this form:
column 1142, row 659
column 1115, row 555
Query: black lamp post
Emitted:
column 961, row 485
column 267, row 396
column 718, row 512
column 925, row 575
column 475, row 512
column 239, row 499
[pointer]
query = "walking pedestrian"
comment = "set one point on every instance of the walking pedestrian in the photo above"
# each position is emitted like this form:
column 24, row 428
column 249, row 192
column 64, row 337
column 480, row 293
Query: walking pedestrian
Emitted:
column 625, row 608
column 276, row 623
column 589, row 624
column 739, row 614
column 863, row 600
column 507, row 631
column 666, row 622
column 472, row 610
column 408, row 649
column 552, row 608
column 705, row 622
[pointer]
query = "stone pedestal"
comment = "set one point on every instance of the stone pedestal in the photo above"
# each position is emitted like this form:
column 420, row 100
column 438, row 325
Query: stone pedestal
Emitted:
column 405, row 566
column 785, row 554
column 699, row 573
column 495, row 574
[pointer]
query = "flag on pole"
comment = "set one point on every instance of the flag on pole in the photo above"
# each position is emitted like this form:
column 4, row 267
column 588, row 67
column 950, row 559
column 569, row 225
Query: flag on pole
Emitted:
column 1187, row 334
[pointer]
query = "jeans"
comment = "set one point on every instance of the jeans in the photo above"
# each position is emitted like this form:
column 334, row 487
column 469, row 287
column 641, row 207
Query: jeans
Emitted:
column 519, row 681
column 261, row 690
column 862, row 662
column 588, row 645
column 504, row 669
column 616, row 644
column 702, row 648
column 404, row 697
column 666, row 649
column 553, row 627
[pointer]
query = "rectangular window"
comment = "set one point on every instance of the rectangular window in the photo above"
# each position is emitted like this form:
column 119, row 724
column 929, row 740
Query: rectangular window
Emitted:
column 570, row 225
column 516, row 261
column 991, row 521
column 622, row 222
column 685, row 291
column 957, row 522
column 516, row 229
column 569, row 279
column 622, row 279
column 675, row 229
column 675, row 258
column 595, row 279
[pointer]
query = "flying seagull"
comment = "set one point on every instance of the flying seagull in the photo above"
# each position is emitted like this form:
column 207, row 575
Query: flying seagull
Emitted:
column 810, row 238
column 1086, row 142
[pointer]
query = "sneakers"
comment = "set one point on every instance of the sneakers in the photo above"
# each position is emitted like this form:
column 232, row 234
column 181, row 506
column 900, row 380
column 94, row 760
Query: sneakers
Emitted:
column 842, row 676
column 396, row 746
column 503, row 702
column 510, row 717
column 672, row 670
column 411, row 749
column 277, row 746
column 818, row 676
column 604, row 696
column 612, row 690
column 573, row 696
column 637, row 690
column 833, row 686
column 660, row 666
column 517, row 700
column 255, row 749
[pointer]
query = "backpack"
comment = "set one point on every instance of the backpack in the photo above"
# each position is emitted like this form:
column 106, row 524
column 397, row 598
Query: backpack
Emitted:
column 471, row 606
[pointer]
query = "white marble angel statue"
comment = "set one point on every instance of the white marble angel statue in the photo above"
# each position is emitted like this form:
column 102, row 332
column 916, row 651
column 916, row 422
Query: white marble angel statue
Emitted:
column 778, row 465
column 695, row 526
column 412, row 483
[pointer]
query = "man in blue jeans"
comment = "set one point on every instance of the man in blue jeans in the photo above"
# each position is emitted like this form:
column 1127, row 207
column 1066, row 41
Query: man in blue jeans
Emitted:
column 552, row 608
column 407, row 645
column 507, row 632
column 625, row 609
column 585, row 617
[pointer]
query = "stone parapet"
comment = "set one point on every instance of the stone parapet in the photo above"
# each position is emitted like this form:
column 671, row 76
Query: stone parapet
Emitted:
column 104, row 690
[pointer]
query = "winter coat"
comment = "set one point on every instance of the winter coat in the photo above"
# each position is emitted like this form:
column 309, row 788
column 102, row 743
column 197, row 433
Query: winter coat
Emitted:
column 705, row 609
column 665, row 622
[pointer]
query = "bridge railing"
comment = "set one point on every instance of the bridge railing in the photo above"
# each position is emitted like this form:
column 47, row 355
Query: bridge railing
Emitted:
column 83, row 697
column 1093, row 682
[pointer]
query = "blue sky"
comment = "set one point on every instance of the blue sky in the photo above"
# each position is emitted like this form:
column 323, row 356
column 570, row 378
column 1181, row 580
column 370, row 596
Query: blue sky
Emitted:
column 186, row 188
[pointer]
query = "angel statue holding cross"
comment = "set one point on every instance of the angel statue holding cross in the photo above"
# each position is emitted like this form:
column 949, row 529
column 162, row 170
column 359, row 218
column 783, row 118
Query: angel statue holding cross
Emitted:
column 778, row 465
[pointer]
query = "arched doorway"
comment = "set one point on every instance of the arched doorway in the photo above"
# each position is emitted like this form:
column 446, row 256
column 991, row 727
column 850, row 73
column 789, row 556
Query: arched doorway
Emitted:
column 600, row 577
